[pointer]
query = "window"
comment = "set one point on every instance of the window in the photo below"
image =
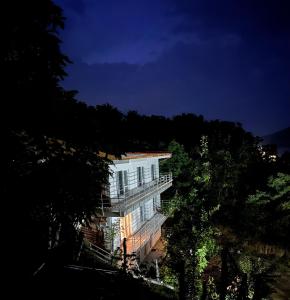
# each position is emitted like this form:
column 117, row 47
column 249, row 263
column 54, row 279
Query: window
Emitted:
column 153, row 171
column 142, row 213
column 122, row 182
column 140, row 176
column 126, row 186
column 154, row 204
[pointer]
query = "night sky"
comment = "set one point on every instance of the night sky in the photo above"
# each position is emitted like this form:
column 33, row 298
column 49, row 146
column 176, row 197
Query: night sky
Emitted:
column 224, row 59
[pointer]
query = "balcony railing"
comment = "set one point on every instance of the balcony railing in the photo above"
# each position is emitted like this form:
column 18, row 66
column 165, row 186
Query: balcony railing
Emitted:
column 123, row 204
column 136, row 241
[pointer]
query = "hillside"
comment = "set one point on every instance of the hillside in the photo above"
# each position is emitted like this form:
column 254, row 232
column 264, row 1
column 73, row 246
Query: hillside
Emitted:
column 74, row 283
column 280, row 138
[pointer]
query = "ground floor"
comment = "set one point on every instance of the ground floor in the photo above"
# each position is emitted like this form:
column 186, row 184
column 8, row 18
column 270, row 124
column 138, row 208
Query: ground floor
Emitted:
column 107, row 235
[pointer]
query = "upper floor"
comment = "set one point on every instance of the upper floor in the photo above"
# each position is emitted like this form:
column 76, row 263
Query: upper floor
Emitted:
column 134, row 178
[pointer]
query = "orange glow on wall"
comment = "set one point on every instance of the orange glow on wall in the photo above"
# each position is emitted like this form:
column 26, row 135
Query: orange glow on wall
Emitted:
column 126, row 226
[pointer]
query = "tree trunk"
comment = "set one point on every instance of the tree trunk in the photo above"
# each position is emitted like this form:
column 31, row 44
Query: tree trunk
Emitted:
column 181, row 282
column 224, row 273
column 204, row 291
column 243, row 292
column 125, row 255
column 257, row 288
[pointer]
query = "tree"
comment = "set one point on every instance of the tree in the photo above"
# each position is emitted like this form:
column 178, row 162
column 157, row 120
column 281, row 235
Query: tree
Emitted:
column 203, row 217
column 31, row 61
column 181, row 167
column 269, row 211
column 53, row 187
column 191, row 240
column 53, row 176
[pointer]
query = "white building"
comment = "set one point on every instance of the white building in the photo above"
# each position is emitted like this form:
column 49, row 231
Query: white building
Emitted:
column 133, row 202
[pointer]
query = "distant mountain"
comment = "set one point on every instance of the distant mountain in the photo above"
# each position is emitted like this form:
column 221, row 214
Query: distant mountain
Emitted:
column 280, row 138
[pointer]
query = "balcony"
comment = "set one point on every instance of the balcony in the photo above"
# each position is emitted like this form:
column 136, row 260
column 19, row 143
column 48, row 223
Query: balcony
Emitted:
column 136, row 241
column 130, row 199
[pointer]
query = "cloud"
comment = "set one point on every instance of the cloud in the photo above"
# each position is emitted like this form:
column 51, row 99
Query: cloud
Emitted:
column 140, row 31
column 224, row 59
column 116, row 31
column 237, row 84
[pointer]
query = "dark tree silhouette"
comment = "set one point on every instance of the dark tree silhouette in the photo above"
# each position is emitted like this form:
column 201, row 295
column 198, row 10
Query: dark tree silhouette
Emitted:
column 53, row 176
column 31, row 61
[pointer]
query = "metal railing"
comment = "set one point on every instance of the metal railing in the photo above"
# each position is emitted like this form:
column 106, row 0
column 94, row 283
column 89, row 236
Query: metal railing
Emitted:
column 132, row 196
column 136, row 241
column 102, row 254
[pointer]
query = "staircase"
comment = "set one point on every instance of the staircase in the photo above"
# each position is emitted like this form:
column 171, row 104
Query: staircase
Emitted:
column 102, row 254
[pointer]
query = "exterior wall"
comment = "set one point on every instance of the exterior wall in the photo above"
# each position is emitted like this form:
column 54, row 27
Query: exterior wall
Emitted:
column 149, row 209
column 94, row 234
column 136, row 215
column 145, row 250
column 136, row 220
column 131, row 168
column 131, row 223
column 158, row 201
column 145, row 210
column 156, row 237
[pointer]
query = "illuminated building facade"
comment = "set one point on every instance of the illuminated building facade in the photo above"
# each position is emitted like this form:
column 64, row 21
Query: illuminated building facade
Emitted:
column 132, row 204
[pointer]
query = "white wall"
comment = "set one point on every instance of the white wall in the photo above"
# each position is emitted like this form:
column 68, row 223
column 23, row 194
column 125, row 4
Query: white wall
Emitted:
column 133, row 220
column 158, row 200
column 149, row 210
column 131, row 167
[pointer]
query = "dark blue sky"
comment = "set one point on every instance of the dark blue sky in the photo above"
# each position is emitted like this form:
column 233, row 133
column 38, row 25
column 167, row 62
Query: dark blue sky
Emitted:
column 224, row 59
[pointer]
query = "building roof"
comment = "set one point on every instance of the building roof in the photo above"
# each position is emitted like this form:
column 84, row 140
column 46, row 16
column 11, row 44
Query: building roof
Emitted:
column 137, row 155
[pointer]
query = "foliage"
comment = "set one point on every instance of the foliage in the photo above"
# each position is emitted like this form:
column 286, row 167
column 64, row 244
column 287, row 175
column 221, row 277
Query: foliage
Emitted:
column 52, row 187
column 206, row 249
column 271, row 209
column 181, row 167
column 179, row 160
column 31, row 61
column 192, row 239
column 168, row 276
column 211, row 289
column 111, row 232
column 53, row 177
column 219, row 184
